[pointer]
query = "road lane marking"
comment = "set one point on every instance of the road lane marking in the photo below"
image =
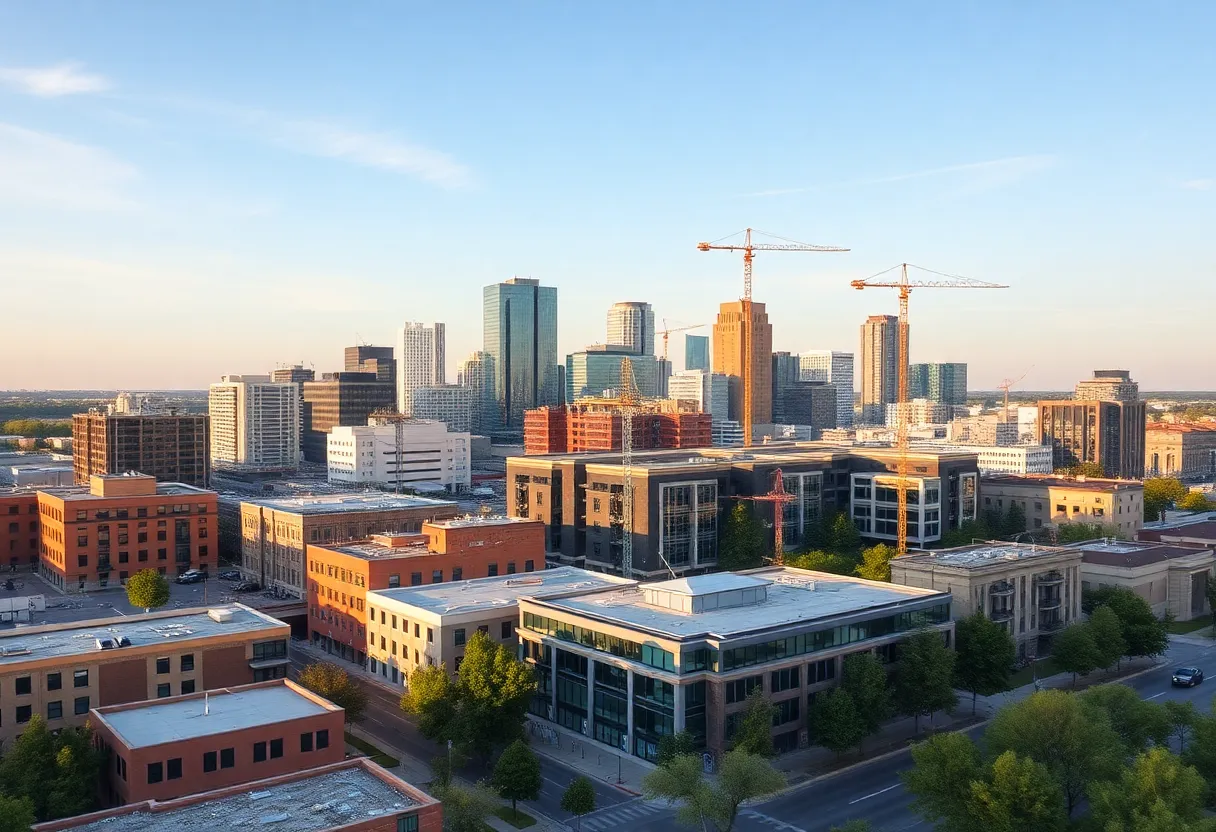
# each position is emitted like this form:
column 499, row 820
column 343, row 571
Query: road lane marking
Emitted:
column 1154, row 696
column 875, row 794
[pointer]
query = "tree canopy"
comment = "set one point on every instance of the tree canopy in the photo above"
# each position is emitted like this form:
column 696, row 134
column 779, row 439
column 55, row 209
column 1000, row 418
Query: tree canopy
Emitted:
column 1107, row 634
column 517, row 774
column 712, row 804
column 754, row 735
column 1074, row 650
column 834, row 721
column 820, row 561
column 985, row 654
column 864, row 679
column 744, row 541
column 579, row 799
column 876, row 563
column 56, row 773
column 924, row 682
column 148, row 588
column 335, row 684
column 1196, row 501
column 1143, row 633
column 1159, row 494
column 1157, row 788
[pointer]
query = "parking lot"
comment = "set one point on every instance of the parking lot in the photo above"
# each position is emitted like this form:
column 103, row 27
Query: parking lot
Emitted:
column 110, row 602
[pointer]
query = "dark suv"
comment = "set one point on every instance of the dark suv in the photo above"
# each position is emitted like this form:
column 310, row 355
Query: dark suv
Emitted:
column 1187, row 676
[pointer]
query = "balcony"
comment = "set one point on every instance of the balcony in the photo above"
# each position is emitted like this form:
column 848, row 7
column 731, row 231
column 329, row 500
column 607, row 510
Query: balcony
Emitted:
column 1050, row 625
column 1052, row 578
column 1050, row 603
column 1000, row 615
column 1001, row 589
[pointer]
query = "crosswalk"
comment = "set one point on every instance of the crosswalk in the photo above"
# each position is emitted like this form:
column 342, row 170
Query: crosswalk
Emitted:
column 760, row 817
column 619, row 815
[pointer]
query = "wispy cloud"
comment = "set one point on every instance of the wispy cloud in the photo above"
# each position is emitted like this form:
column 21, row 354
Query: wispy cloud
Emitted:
column 45, row 169
column 52, row 81
column 972, row 175
column 1199, row 184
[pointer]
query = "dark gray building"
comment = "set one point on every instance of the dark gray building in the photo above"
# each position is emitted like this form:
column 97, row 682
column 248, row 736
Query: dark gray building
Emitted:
column 519, row 320
column 340, row 399
column 812, row 403
column 368, row 359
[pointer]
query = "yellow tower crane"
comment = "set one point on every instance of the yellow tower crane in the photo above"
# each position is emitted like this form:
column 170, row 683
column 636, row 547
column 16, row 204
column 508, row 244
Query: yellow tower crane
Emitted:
column 668, row 330
column 905, row 287
column 745, row 334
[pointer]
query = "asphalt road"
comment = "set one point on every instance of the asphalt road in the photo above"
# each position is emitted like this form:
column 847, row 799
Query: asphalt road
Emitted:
column 383, row 718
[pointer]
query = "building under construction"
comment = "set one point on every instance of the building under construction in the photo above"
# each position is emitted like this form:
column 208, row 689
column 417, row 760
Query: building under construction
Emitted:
column 171, row 446
column 583, row 427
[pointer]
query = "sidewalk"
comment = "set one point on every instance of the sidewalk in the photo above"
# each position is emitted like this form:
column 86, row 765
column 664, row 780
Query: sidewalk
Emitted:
column 587, row 756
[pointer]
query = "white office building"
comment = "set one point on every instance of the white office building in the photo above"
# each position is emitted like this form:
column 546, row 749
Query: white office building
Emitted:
column 429, row 454
column 834, row 368
column 631, row 324
column 420, row 361
column 921, row 412
column 1007, row 459
column 451, row 404
column 708, row 390
column 255, row 423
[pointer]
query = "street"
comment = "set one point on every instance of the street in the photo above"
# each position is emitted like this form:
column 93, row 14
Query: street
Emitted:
column 870, row 791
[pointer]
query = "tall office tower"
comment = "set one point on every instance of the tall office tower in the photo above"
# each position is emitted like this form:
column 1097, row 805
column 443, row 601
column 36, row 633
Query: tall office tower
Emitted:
column 696, row 352
column 1108, row 386
column 255, row 423
column 298, row 374
column 662, row 376
column 708, row 390
column 631, row 324
column 728, row 359
column 368, row 359
column 519, row 320
column 340, row 399
column 171, row 446
column 942, row 383
column 598, row 369
column 420, row 361
column 477, row 374
column 785, row 371
column 879, row 367
column 1107, row 427
column 835, row 368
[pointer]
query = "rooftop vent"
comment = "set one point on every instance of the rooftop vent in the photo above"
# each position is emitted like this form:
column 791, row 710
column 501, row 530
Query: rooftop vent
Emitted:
column 105, row 644
column 15, row 650
column 220, row 615
column 525, row 581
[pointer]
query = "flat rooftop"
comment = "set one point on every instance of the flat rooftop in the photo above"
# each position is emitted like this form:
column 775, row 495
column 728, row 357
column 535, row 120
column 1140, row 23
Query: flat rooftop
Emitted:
column 1205, row 529
column 459, row 597
column 311, row 801
column 1080, row 483
column 371, row 550
column 793, row 596
column 788, row 451
column 980, row 555
column 1132, row 554
column 472, row 521
column 80, row 638
column 73, row 493
column 353, row 502
column 157, row 722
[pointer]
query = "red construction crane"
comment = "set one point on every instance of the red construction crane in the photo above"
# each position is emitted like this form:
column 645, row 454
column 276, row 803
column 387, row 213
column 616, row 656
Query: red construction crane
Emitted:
column 749, row 248
column 778, row 497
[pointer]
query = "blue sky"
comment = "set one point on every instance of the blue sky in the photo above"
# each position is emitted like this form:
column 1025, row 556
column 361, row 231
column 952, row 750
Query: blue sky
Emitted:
column 188, row 190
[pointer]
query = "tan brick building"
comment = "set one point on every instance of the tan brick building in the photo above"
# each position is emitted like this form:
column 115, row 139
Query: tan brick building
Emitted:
column 1183, row 450
column 62, row 671
column 1049, row 500
column 275, row 532
column 728, row 358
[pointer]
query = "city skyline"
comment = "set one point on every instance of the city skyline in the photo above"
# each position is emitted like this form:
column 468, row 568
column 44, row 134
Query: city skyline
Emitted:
column 240, row 205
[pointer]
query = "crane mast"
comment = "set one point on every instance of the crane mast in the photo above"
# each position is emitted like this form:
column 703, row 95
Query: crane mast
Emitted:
column 747, row 359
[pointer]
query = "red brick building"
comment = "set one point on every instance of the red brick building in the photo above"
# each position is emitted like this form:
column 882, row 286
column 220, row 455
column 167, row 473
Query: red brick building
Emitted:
column 578, row 428
column 340, row 575
column 97, row 537
column 19, row 528
column 167, row 748
column 354, row 795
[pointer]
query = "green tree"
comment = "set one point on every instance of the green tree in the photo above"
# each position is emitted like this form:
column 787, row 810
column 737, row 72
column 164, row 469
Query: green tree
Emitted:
column 16, row 814
column 29, row 766
column 1157, row 782
column 147, row 588
column 1180, row 716
column 1014, row 521
column 1143, row 633
column 843, row 537
column 755, row 728
column 943, row 768
column 876, row 563
column 328, row 680
column 673, row 745
column 579, row 799
column 1074, row 650
column 57, row 773
column 1085, row 469
column 1136, row 721
column 1075, row 743
column 819, row 561
column 1196, row 501
column 1200, row 752
column 744, row 541
column 430, row 697
column 1078, row 532
column 864, row 678
column 1016, row 794
column 835, row 722
column 985, row 655
column 1159, row 494
column 969, row 530
column 517, row 774
column 465, row 809
column 1107, row 634
column 924, row 682
column 712, row 805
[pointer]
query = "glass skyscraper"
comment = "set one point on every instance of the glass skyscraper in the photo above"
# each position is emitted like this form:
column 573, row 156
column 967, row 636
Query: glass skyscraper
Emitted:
column 696, row 352
column 519, row 319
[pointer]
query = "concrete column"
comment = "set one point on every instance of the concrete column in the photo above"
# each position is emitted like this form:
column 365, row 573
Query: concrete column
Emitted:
column 590, row 697
column 553, row 680
column 679, row 691
column 629, row 711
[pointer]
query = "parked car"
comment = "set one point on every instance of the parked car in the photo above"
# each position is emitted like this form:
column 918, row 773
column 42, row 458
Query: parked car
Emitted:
column 1187, row 676
column 247, row 586
column 230, row 575
column 191, row 576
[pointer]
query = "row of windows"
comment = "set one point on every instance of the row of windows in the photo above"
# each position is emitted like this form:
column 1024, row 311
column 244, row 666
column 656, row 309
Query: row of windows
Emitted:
column 24, row 685
column 506, row 630
column 740, row 689
column 54, row 710
column 644, row 653
column 123, row 513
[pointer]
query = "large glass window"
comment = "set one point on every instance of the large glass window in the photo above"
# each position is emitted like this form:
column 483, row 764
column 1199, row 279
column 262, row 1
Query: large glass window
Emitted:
column 688, row 525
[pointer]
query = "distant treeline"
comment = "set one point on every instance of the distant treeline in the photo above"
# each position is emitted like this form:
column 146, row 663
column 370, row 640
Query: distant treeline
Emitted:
column 43, row 410
column 39, row 428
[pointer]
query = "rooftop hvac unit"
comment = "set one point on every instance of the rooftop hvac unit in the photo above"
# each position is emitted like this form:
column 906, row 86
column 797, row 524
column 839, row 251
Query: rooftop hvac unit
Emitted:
column 525, row 581
column 15, row 650
column 220, row 615
column 105, row 644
